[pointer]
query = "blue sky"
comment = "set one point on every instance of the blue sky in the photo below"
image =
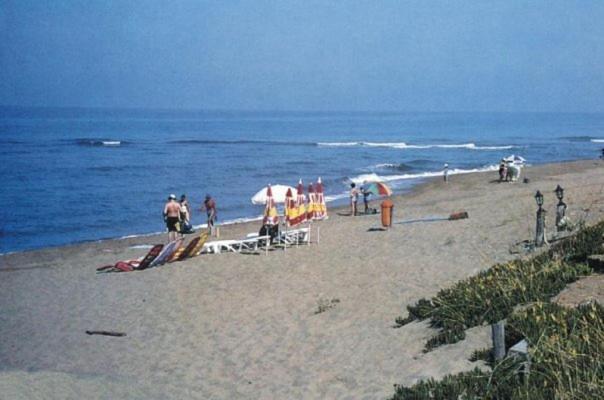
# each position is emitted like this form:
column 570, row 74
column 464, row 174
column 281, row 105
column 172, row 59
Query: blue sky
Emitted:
column 305, row 55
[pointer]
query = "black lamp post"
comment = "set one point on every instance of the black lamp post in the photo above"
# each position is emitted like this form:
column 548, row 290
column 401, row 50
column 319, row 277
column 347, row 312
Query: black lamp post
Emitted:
column 559, row 192
column 560, row 208
column 540, row 228
column 539, row 198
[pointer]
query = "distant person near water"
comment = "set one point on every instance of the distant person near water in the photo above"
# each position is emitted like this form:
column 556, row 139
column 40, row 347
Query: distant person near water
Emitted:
column 172, row 217
column 503, row 171
column 185, row 215
column 446, row 173
column 354, row 199
column 366, row 193
column 210, row 206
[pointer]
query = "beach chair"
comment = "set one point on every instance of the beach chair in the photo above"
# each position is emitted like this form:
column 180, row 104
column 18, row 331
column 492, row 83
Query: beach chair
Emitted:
column 252, row 243
column 134, row 265
column 219, row 246
column 295, row 236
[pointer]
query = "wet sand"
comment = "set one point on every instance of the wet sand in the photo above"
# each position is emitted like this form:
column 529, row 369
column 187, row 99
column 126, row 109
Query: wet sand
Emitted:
column 244, row 326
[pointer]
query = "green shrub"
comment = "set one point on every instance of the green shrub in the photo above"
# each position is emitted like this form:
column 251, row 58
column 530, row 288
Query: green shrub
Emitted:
column 566, row 348
column 491, row 295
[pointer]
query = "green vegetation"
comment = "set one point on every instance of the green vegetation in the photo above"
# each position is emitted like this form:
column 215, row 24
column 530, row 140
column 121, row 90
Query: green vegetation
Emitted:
column 567, row 360
column 492, row 295
column 566, row 346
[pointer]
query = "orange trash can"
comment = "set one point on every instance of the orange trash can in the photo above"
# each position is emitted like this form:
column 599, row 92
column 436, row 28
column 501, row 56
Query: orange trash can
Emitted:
column 387, row 207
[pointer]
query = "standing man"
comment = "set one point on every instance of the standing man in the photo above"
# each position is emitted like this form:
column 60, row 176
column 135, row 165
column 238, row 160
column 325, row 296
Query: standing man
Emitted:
column 366, row 193
column 446, row 173
column 172, row 217
column 210, row 206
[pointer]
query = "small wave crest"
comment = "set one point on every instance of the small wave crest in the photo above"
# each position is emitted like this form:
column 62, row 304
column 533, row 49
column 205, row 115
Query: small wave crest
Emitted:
column 597, row 140
column 581, row 138
column 99, row 142
column 392, row 166
column 403, row 145
column 238, row 142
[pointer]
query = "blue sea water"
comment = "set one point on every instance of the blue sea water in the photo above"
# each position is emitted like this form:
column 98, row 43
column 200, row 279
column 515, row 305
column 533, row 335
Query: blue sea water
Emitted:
column 72, row 175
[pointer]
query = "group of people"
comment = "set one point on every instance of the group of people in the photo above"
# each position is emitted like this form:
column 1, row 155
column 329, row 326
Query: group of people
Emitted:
column 177, row 215
column 354, row 199
column 507, row 171
column 386, row 206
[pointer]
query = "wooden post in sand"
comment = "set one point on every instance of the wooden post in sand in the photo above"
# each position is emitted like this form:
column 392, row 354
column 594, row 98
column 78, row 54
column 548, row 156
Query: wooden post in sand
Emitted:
column 498, row 336
column 540, row 226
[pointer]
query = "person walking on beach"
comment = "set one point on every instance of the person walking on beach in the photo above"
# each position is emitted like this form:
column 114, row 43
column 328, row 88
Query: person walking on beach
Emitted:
column 185, row 214
column 210, row 206
column 354, row 199
column 172, row 217
column 446, row 173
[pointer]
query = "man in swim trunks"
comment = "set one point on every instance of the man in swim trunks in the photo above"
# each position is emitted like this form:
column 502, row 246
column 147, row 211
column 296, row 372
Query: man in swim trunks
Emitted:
column 172, row 217
column 210, row 206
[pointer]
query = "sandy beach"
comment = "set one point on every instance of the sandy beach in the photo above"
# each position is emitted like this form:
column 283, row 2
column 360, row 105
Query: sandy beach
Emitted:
column 245, row 326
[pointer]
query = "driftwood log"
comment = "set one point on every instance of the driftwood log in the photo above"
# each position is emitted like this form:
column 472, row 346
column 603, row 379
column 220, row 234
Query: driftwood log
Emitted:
column 106, row 333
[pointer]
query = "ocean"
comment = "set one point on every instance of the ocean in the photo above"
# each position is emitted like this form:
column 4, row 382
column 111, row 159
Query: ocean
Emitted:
column 72, row 175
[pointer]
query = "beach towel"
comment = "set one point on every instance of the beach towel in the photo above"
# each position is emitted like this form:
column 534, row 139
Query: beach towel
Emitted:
column 166, row 253
column 176, row 255
column 132, row 265
column 196, row 250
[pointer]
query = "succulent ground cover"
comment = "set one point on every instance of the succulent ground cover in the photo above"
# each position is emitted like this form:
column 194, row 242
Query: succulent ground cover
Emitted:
column 566, row 346
column 567, row 360
column 492, row 295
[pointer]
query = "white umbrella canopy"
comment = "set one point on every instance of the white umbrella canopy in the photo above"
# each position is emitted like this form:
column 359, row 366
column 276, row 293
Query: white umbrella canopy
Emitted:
column 515, row 159
column 279, row 192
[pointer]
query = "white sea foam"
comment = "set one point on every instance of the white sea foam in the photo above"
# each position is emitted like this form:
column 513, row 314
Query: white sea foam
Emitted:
column 390, row 178
column 403, row 145
column 597, row 140
column 231, row 222
column 142, row 246
column 111, row 142
column 386, row 165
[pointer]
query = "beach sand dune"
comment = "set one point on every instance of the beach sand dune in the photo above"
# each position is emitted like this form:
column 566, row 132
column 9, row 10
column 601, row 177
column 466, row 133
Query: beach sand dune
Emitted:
column 246, row 326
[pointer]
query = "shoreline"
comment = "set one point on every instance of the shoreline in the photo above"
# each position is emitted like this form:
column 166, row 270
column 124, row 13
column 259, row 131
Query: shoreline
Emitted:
column 418, row 187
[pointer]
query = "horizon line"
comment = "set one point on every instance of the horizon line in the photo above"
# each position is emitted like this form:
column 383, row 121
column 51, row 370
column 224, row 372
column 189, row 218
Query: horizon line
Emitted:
column 285, row 111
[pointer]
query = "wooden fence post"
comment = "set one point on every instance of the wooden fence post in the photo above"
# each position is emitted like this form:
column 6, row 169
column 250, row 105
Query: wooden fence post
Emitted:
column 498, row 335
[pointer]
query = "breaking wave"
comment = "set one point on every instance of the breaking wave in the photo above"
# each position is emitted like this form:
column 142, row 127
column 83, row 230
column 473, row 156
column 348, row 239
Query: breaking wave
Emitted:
column 373, row 177
column 597, row 140
column 401, row 167
column 403, row 145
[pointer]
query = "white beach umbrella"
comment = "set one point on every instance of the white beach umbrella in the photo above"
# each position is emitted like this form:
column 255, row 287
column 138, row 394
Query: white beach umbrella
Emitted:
column 515, row 159
column 279, row 193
